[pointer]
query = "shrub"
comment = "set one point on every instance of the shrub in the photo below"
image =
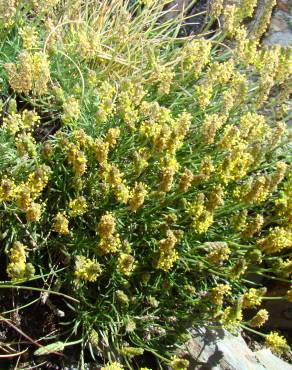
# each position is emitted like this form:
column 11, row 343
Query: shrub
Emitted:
column 144, row 175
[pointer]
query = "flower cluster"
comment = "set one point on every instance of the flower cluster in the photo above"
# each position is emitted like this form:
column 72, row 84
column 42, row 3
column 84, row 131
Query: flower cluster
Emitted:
column 18, row 268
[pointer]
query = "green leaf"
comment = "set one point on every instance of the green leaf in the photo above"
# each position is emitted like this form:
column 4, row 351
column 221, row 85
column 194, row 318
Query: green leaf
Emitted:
column 53, row 347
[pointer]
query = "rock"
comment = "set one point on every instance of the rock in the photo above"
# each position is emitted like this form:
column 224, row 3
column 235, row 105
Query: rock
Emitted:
column 218, row 349
column 269, row 361
column 280, row 38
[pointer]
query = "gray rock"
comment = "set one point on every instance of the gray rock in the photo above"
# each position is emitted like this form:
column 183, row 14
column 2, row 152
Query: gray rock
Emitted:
column 218, row 349
column 267, row 359
column 280, row 38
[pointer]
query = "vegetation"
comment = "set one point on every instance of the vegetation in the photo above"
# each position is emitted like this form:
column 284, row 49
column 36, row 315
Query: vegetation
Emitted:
column 144, row 176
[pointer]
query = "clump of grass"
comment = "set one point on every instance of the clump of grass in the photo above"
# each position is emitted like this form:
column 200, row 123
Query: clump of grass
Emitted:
column 167, row 184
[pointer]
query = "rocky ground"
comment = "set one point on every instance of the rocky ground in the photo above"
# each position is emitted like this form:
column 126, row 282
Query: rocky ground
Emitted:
column 280, row 30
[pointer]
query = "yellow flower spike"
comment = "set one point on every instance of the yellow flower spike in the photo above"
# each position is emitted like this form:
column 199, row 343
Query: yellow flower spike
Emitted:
column 7, row 12
column 230, row 17
column 110, row 244
column 216, row 8
column 177, row 363
column 26, row 145
column 205, row 93
column 38, row 180
column 71, row 110
column 218, row 252
column 113, row 366
column 262, row 23
column 207, row 167
column 17, row 267
column 253, row 297
column 61, row 224
column 167, row 254
column 29, row 37
column 126, row 264
column 7, row 189
column 278, row 238
column 195, row 55
column 217, row 294
column 259, row 319
column 211, row 125
column 112, row 136
column 277, row 343
column 86, row 269
column 253, row 127
column 277, row 134
column 185, row 180
column 78, row 206
column 253, row 227
column 167, row 175
column 137, row 196
column 101, row 150
column 131, row 351
column 215, row 198
column 162, row 76
column 106, row 226
column 24, row 197
column 230, row 138
column 122, row 193
column 247, row 8
column 277, row 177
column 77, row 159
column 202, row 219
column 34, row 212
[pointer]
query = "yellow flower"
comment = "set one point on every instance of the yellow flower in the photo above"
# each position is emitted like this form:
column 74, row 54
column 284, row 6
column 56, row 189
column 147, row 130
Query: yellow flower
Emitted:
column 186, row 180
column 179, row 363
column 276, row 343
column 78, row 206
column 167, row 254
column 101, row 150
column 106, row 226
column 61, row 224
column 211, row 125
column 17, row 267
column 253, row 297
column 112, row 136
column 7, row 12
column 217, row 294
column 259, row 319
column 26, row 145
column 86, row 269
column 109, row 244
column 7, row 189
column 77, row 159
column 113, row 366
column 253, row 227
column 166, row 179
column 216, row 8
column 277, row 239
column 29, row 37
column 34, row 212
column 218, row 252
column 195, row 55
column 30, row 73
column 264, row 20
column 71, row 109
column 126, row 264
column 137, row 196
